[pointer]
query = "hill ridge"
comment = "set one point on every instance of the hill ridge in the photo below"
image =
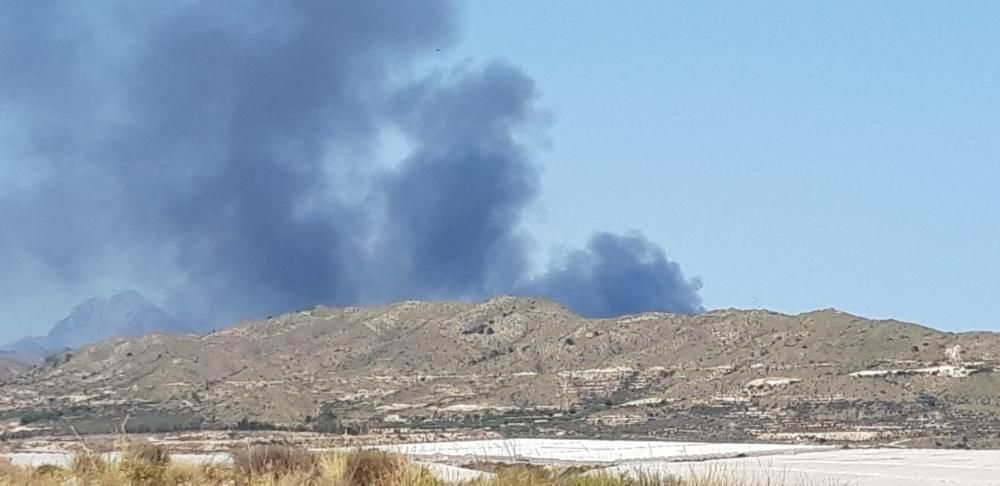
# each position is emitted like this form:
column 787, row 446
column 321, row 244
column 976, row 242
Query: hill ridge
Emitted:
column 424, row 362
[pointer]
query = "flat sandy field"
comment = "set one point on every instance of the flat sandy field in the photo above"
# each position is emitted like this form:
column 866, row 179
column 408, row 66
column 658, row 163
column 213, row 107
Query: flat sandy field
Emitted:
column 751, row 463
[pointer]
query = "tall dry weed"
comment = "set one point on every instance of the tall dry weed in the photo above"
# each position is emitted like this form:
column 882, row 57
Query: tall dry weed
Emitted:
column 273, row 461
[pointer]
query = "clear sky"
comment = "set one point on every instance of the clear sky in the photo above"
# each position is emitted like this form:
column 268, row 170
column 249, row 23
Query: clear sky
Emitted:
column 795, row 155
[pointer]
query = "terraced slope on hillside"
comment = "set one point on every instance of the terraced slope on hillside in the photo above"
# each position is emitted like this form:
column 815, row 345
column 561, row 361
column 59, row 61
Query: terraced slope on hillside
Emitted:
column 528, row 366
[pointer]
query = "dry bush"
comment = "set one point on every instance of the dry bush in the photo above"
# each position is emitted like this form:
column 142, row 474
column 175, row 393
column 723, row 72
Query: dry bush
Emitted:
column 206, row 473
column 143, row 463
column 528, row 475
column 138, row 473
column 534, row 475
column 49, row 470
column 147, row 453
column 86, row 463
column 188, row 474
column 274, row 461
column 641, row 480
column 364, row 468
column 332, row 467
column 45, row 475
column 11, row 474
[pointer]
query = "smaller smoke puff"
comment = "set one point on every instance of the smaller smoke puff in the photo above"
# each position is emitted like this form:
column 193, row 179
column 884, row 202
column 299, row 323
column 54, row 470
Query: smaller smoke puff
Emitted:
column 618, row 275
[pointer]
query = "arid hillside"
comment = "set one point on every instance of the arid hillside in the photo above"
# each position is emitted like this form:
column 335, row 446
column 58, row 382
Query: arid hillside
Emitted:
column 528, row 366
column 9, row 368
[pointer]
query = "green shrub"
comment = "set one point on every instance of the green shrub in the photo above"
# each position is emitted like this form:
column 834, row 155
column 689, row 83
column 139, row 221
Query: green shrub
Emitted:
column 40, row 415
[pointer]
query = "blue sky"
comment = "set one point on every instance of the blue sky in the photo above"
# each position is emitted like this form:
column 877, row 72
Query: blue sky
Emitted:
column 795, row 155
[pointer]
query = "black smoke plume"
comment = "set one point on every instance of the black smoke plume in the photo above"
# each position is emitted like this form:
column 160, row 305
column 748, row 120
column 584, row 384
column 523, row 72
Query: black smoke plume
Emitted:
column 225, row 156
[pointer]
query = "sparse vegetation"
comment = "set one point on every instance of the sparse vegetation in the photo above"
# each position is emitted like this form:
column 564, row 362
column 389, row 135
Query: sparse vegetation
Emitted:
column 249, row 424
column 280, row 465
column 327, row 422
column 40, row 415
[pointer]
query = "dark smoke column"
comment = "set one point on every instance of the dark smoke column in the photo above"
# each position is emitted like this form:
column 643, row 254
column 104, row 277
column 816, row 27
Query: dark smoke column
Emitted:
column 227, row 162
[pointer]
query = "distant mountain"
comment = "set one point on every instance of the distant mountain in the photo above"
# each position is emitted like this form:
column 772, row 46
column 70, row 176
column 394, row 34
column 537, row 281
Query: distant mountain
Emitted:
column 125, row 314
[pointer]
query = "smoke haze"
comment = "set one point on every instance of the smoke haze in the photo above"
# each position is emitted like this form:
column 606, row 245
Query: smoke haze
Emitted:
column 225, row 162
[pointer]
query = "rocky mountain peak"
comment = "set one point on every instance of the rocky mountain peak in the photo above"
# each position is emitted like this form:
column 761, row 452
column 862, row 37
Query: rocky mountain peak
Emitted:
column 125, row 314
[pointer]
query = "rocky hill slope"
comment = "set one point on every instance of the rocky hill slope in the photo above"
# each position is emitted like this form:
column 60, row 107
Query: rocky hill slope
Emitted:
column 528, row 366
column 9, row 368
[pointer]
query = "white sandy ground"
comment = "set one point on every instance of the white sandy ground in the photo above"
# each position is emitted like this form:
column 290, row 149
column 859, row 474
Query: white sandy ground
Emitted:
column 597, row 452
column 453, row 474
column 765, row 464
column 854, row 467
column 35, row 459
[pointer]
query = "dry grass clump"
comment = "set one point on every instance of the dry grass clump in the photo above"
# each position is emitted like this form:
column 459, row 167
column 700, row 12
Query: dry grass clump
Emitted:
column 86, row 462
column 644, row 480
column 138, row 463
column 372, row 467
column 11, row 474
column 273, row 461
column 521, row 474
column 143, row 463
column 152, row 454
column 280, row 465
column 366, row 467
column 532, row 475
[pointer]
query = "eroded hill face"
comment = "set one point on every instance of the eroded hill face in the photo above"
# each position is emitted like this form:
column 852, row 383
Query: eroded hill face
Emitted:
column 9, row 368
column 527, row 366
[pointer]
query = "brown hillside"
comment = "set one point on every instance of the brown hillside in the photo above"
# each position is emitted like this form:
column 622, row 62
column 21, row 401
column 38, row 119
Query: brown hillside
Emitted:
column 742, row 374
column 9, row 368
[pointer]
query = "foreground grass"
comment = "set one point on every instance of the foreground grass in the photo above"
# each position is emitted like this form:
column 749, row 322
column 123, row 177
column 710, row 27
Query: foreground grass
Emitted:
column 271, row 465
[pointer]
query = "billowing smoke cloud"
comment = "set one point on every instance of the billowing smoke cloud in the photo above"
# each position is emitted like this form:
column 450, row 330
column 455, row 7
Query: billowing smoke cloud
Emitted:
column 227, row 161
column 617, row 275
column 454, row 205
